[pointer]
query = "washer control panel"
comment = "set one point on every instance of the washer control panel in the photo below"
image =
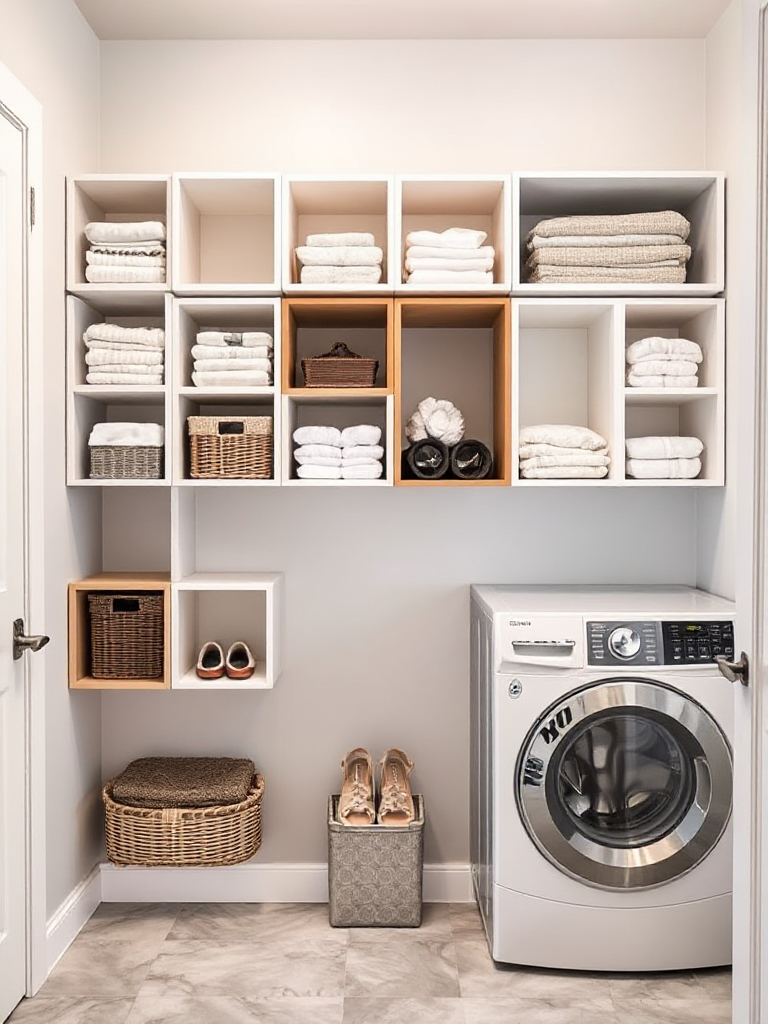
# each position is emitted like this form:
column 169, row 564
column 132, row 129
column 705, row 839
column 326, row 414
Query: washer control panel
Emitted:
column 658, row 643
column 687, row 643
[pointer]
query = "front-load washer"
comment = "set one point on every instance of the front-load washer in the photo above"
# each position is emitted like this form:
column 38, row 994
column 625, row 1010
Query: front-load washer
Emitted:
column 601, row 776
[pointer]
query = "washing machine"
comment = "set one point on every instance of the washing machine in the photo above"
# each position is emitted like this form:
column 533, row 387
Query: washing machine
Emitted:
column 601, row 776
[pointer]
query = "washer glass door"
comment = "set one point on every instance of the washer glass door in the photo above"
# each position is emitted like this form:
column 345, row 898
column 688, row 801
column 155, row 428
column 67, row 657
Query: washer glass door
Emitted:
column 625, row 784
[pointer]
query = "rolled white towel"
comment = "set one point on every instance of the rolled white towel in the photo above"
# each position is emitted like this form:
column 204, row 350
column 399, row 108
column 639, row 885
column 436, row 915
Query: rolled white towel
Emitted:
column 125, row 275
column 362, row 451
column 668, row 367
column 233, row 352
column 230, row 379
column 96, row 356
column 663, row 469
column 335, row 238
column 582, row 458
column 310, row 472
column 657, row 348
column 233, row 365
column 452, row 238
column 151, row 337
column 565, row 435
column 149, row 435
column 528, row 451
column 340, row 275
column 485, row 252
column 102, row 259
column 318, row 435
column 663, row 380
column 319, row 451
column 235, row 339
column 316, row 460
column 438, row 418
column 453, row 277
column 340, row 255
column 652, row 447
column 363, row 472
column 125, row 231
column 100, row 377
column 562, row 472
column 362, row 433
column 418, row 263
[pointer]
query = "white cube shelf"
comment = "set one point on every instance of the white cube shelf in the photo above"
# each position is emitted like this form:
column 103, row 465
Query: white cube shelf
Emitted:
column 226, row 234
column 112, row 197
column 227, row 607
column 699, row 196
column 439, row 202
column 314, row 205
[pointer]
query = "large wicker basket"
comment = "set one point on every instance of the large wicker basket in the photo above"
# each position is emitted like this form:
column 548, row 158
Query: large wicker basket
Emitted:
column 126, row 462
column 230, row 447
column 183, row 836
column 339, row 368
column 127, row 635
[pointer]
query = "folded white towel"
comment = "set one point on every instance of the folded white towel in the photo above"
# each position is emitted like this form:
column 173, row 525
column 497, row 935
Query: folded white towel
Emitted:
column 310, row 472
column 670, row 367
column 662, row 381
column 235, row 339
column 119, row 367
column 663, row 469
column 129, row 248
column 562, row 472
column 125, row 231
column 138, row 357
column 663, row 447
column 565, row 435
column 318, row 435
column 233, row 365
column 117, row 349
column 125, row 275
column 438, row 418
column 657, row 348
column 319, row 451
column 231, row 379
column 102, row 259
column 362, row 451
column 529, row 451
column 315, row 460
column 340, row 275
column 597, row 241
column 224, row 352
column 152, row 337
column 370, row 472
column 485, row 252
column 149, row 435
column 359, row 462
column 414, row 263
column 100, row 377
column 583, row 458
column 361, row 433
column 452, row 238
column 333, row 238
column 454, row 277
column 340, row 255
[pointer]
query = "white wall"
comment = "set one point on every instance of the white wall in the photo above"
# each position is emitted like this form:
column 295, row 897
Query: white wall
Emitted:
column 377, row 580
column 49, row 47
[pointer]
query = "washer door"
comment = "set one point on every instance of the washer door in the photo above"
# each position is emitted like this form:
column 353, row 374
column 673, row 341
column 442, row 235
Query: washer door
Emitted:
column 625, row 784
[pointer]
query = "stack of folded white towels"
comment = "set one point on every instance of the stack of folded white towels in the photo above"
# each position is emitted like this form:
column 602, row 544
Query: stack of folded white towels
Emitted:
column 557, row 451
column 647, row 248
column 233, row 359
column 327, row 453
column 663, row 363
column 456, row 256
column 124, row 355
column 663, row 458
column 125, row 252
column 340, row 257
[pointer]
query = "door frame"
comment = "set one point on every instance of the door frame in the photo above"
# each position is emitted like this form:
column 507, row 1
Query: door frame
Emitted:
column 27, row 112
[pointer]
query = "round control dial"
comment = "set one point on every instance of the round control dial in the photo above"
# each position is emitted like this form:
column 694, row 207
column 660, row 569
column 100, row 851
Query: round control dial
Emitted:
column 624, row 642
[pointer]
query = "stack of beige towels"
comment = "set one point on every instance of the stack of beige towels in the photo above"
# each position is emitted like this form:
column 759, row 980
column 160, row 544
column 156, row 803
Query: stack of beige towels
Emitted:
column 633, row 248
column 233, row 359
column 125, row 252
column 327, row 453
column 456, row 256
column 346, row 257
column 663, row 363
column 562, row 451
column 663, row 458
column 124, row 355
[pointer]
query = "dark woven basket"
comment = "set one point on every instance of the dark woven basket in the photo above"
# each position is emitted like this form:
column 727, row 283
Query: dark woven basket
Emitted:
column 126, row 635
column 230, row 447
column 339, row 368
column 126, row 462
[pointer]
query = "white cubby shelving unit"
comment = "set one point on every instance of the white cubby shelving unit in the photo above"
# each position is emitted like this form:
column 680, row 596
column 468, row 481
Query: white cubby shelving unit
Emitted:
column 226, row 235
column 314, row 205
column 439, row 202
column 699, row 196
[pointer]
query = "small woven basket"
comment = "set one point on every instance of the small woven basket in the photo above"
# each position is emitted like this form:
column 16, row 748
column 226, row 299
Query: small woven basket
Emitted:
column 126, row 462
column 339, row 368
column 126, row 635
column 230, row 447
column 183, row 836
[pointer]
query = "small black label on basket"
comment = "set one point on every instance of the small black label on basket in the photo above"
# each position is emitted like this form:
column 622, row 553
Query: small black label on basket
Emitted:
column 125, row 604
column 232, row 427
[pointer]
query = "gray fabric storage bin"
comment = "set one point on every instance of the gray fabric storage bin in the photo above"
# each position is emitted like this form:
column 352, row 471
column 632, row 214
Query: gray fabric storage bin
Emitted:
column 374, row 872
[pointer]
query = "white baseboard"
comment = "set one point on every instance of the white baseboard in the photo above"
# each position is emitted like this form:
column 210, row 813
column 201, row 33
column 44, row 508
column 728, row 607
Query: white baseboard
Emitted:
column 65, row 923
column 258, row 883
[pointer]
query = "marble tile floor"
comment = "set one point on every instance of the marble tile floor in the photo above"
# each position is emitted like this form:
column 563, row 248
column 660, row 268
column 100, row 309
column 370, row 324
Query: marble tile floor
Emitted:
column 283, row 964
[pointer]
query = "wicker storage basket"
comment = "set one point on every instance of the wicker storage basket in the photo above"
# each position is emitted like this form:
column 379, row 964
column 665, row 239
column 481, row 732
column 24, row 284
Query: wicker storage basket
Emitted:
column 126, row 635
column 339, row 368
column 183, row 836
column 126, row 462
column 232, row 447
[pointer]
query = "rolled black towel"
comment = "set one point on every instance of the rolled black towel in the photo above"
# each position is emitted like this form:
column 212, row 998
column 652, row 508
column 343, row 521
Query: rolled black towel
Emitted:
column 427, row 459
column 471, row 460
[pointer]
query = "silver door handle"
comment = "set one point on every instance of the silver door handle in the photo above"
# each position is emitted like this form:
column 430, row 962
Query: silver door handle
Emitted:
column 735, row 670
column 23, row 643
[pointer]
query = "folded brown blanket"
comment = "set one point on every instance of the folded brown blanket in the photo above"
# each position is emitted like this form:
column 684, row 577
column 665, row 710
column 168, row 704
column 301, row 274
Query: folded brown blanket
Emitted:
column 606, row 275
column 626, row 256
column 184, row 781
column 663, row 222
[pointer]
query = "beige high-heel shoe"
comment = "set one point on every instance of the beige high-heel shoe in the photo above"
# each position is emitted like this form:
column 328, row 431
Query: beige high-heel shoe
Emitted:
column 356, row 805
column 396, row 800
